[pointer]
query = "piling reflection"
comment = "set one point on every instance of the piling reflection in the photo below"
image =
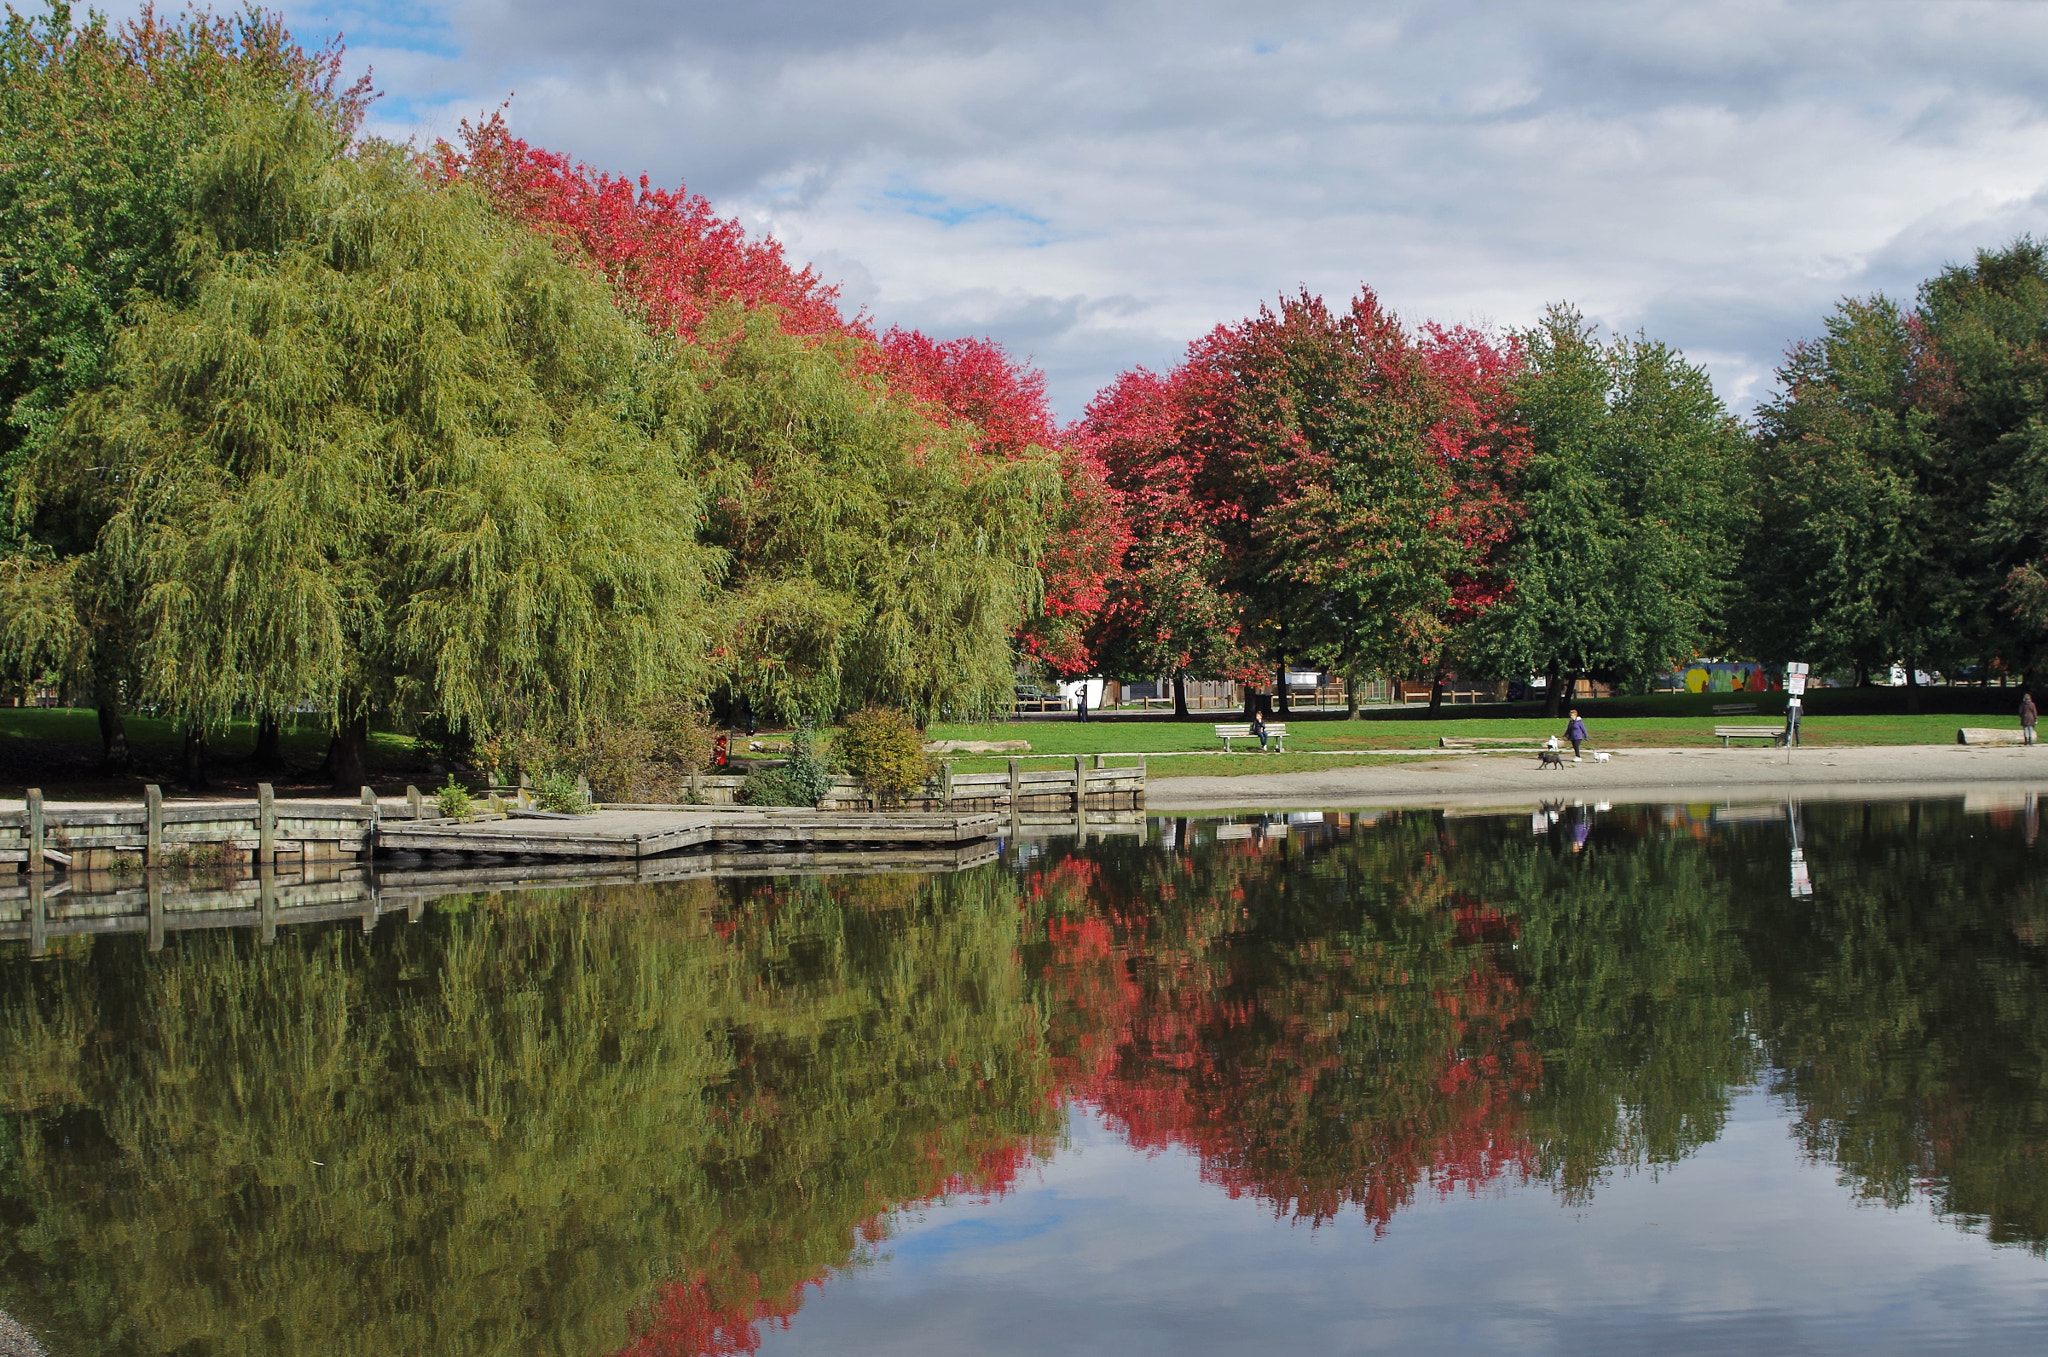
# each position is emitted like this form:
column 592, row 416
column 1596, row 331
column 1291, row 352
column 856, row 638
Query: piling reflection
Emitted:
column 649, row 1118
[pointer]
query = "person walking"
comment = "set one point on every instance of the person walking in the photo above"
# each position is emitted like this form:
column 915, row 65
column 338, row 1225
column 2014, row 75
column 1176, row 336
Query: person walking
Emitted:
column 2030, row 715
column 1576, row 733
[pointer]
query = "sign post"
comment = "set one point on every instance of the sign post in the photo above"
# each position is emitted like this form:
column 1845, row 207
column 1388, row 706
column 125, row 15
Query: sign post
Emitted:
column 1795, row 690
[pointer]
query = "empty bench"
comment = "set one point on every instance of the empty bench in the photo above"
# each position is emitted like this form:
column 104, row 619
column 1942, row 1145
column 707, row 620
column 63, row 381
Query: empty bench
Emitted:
column 1275, row 731
column 1724, row 734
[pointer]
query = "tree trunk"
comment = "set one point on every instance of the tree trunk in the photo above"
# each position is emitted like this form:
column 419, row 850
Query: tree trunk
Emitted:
column 1912, row 686
column 114, row 755
column 1280, row 688
column 1571, row 688
column 268, row 756
column 195, row 759
column 1551, row 694
column 1180, row 697
column 350, row 754
column 1862, row 674
column 1436, row 692
column 1350, row 697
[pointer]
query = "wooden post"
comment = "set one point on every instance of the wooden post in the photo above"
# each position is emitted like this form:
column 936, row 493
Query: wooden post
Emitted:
column 946, row 784
column 1098, row 760
column 266, row 824
column 153, row 813
column 416, row 801
column 156, row 911
column 1016, row 785
column 521, row 797
column 38, row 915
column 35, row 832
column 266, row 895
column 1139, row 799
column 370, row 800
column 1080, row 781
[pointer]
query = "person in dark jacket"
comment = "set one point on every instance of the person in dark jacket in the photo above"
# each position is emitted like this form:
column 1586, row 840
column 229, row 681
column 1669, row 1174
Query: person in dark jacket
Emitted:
column 1259, row 726
column 1576, row 733
column 2030, row 715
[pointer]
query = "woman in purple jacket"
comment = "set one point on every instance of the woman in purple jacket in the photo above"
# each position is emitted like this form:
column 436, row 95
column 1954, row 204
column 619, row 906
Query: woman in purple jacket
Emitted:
column 1576, row 733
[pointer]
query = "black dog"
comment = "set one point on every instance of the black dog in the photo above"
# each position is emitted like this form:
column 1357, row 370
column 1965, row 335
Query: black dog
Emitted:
column 1549, row 758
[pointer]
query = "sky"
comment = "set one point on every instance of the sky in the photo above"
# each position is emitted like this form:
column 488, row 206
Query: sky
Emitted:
column 1096, row 184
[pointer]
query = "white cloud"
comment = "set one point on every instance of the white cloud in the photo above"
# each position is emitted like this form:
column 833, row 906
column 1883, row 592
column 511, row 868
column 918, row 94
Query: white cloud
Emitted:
column 1096, row 184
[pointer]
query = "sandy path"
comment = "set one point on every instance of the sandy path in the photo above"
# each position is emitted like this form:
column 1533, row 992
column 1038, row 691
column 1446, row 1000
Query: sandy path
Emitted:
column 1630, row 775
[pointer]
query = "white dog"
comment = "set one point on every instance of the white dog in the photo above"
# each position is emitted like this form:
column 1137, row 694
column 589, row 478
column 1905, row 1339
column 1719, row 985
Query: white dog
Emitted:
column 1550, row 743
column 1600, row 756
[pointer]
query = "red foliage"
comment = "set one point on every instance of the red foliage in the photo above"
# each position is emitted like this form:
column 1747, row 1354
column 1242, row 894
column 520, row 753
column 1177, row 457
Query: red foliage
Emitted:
column 665, row 250
column 675, row 259
column 976, row 381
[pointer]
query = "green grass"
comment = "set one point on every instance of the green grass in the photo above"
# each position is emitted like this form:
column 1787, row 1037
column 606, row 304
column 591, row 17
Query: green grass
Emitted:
column 1162, row 737
column 1242, row 762
column 75, row 732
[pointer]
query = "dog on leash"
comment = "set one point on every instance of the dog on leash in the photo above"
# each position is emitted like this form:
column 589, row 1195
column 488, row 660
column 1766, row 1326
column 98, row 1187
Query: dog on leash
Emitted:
column 1549, row 758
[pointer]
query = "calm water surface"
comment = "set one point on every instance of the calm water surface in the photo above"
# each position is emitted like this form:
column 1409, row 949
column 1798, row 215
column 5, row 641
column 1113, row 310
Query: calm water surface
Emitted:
column 1595, row 1080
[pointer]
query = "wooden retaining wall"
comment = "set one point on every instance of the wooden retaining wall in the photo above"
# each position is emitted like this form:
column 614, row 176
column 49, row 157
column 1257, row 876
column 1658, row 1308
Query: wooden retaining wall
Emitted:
column 1028, row 784
column 156, row 834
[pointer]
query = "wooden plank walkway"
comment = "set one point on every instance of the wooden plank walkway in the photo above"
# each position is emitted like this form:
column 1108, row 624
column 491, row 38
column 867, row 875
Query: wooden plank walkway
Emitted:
column 654, row 833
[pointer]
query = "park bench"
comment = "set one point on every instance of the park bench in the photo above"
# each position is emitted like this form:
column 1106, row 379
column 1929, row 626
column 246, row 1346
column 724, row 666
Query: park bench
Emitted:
column 1734, row 708
column 1775, row 734
column 1275, row 731
column 1989, row 735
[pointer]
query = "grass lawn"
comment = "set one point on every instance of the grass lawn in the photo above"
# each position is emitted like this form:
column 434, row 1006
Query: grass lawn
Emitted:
column 1241, row 763
column 1166, row 737
column 60, row 747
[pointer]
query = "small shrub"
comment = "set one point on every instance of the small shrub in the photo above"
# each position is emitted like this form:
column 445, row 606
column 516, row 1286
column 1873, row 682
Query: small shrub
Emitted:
column 884, row 750
column 647, row 755
column 454, row 800
column 559, row 792
column 772, row 787
column 204, row 856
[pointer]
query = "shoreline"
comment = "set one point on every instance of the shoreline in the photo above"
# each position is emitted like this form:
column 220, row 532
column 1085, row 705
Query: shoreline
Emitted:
column 1461, row 779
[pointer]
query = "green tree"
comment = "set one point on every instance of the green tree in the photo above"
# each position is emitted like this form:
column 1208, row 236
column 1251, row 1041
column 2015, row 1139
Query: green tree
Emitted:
column 97, row 126
column 1633, row 509
column 872, row 556
column 392, row 452
column 1842, row 570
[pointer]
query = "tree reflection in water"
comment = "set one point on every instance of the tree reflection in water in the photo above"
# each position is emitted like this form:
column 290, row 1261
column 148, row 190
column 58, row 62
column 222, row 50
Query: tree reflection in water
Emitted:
column 647, row 1120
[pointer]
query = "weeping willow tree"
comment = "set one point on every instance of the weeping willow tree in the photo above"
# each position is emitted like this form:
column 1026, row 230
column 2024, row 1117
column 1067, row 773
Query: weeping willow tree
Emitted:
column 393, row 453
column 873, row 556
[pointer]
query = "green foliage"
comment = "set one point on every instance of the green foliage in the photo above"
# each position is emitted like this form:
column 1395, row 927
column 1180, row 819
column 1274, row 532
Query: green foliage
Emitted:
column 433, row 492
column 1634, row 506
column 803, row 780
column 872, row 557
column 637, row 1094
column 1839, row 570
column 646, row 755
column 453, row 799
column 883, row 749
column 562, row 793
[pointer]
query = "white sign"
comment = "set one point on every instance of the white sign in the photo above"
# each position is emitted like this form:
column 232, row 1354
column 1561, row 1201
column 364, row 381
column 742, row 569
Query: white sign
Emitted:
column 1795, row 684
column 1303, row 678
column 1797, row 668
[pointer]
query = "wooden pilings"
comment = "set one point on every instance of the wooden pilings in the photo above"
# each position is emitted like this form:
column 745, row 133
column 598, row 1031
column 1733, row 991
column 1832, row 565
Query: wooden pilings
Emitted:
column 153, row 819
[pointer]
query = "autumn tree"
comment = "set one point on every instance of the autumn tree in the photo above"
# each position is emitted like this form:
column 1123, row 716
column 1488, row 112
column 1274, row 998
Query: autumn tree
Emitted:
column 1167, row 610
column 1357, row 479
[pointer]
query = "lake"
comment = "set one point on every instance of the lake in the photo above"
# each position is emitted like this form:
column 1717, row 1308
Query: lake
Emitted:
column 1655, row 1078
